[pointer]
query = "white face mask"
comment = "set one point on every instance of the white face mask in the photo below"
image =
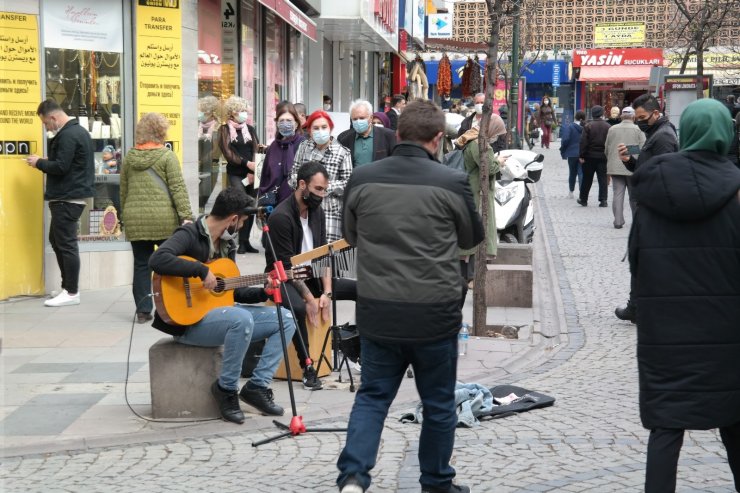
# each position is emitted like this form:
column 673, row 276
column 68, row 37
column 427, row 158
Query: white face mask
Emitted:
column 479, row 108
column 327, row 107
column 241, row 117
column 230, row 235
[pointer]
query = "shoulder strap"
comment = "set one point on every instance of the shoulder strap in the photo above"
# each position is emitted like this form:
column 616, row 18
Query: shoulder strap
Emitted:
column 160, row 183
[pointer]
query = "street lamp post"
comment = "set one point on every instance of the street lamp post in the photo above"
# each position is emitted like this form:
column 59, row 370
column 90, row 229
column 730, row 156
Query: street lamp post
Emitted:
column 514, row 92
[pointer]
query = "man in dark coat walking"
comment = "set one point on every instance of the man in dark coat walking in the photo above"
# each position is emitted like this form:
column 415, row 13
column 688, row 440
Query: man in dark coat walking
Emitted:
column 592, row 155
column 684, row 252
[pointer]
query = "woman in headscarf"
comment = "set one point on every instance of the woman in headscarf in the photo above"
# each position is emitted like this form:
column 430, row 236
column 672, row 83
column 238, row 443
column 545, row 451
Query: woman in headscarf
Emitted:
column 684, row 251
column 381, row 119
column 547, row 119
column 471, row 155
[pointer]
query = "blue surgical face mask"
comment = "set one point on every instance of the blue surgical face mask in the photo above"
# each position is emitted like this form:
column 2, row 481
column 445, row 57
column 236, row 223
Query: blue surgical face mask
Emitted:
column 241, row 117
column 360, row 126
column 321, row 137
column 286, row 129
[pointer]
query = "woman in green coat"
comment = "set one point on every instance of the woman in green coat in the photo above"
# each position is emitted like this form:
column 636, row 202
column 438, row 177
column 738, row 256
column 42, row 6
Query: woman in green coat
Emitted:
column 154, row 202
column 471, row 155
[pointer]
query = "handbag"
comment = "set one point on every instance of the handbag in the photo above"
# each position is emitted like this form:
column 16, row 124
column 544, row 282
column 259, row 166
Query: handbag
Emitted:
column 269, row 198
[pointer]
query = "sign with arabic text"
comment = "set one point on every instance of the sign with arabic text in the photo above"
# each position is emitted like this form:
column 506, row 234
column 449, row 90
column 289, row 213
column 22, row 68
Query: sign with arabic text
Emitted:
column 21, row 187
column 159, row 65
column 614, row 34
column 82, row 24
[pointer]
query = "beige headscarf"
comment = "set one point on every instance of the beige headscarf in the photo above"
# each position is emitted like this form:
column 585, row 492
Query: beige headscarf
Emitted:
column 496, row 127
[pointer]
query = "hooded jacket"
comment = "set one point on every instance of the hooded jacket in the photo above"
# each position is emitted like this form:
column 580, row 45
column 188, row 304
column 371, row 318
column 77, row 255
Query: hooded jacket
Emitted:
column 570, row 140
column 408, row 215
column 154, row 198
column 684, row 250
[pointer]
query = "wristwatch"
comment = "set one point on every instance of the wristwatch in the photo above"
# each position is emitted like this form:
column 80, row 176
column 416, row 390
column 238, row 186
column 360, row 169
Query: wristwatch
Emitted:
column 328, row 295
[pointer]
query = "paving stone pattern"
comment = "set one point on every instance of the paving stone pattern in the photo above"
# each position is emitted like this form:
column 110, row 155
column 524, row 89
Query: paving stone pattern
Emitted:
column 590, row 441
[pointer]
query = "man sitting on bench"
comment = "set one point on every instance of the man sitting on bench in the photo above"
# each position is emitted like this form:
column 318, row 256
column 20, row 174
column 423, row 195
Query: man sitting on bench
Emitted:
column 297, row 225
column 210, row 237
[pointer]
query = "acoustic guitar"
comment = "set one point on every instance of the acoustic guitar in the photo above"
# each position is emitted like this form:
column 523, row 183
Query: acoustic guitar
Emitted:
column 185, row 301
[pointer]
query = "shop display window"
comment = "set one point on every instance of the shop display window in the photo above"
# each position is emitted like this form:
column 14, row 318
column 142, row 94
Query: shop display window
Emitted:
column 87, row 85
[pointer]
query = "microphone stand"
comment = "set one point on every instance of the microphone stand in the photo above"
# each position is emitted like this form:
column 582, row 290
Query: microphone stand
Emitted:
column 296, row 426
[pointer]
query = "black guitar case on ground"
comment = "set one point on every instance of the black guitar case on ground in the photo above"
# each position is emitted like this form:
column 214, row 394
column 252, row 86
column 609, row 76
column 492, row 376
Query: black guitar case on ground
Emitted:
column 529, row 400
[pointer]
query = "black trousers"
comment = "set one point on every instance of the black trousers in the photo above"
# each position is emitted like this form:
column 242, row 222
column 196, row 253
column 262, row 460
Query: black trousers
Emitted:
column 591, row 166
column 664, row 447
column 236, row 181
column 142, row 285
column 63, row 239
column 343, row 289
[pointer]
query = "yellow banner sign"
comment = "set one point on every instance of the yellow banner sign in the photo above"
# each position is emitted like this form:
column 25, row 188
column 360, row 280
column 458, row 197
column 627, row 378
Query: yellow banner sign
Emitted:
column 21, row 187
column 159, row 65
column 614, row 34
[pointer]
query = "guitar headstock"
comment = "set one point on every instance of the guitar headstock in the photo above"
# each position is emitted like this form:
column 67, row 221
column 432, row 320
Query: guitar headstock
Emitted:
column 301, row 272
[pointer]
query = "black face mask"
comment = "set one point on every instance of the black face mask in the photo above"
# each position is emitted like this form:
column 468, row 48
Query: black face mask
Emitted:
column 312, row 200
column 644, row 125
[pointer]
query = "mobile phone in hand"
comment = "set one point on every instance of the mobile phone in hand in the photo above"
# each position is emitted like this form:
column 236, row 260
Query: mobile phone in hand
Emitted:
column 633, row 149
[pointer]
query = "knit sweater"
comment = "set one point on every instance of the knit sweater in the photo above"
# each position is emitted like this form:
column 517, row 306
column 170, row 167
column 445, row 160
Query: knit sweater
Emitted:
column 148, row 211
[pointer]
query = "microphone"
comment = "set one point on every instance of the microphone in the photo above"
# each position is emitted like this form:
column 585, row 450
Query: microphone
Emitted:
column 265, row 209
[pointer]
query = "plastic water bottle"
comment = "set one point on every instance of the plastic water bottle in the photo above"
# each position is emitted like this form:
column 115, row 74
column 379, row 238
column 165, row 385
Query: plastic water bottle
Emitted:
column 462, row 339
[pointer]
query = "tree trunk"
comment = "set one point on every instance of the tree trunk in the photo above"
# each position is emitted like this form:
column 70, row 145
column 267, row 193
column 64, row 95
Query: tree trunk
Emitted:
column 495, row 9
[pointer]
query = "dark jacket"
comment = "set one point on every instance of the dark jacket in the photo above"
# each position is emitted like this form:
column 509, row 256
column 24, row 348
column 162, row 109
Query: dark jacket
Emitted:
column 408, row 215
column 660, row 139
column 393, row 118
column 192, row 240
column 466, row 124
column 286, row 231
column 570, row 140
column 684, row 250
column 239, row 152
column 593, row 141
column 70, row 168
column 277, row 166
column 384, row 141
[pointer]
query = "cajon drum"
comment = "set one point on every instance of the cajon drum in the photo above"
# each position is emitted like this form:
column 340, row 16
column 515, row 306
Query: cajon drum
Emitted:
column 316, row 336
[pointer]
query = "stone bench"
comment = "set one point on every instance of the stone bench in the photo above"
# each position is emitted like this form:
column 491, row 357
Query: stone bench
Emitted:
column 512, row 254
column 509, row 285
column 181, row 377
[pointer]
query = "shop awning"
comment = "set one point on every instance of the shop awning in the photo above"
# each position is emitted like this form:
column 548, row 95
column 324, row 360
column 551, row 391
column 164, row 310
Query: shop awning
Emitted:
column 615, row 73
column 293, row 16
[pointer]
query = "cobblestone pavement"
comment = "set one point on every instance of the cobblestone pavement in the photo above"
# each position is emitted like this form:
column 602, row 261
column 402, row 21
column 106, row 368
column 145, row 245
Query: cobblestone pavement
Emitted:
column 590, row 441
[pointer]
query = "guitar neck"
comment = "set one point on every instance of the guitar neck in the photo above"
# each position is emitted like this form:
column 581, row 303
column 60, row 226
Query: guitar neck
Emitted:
column 249, row 280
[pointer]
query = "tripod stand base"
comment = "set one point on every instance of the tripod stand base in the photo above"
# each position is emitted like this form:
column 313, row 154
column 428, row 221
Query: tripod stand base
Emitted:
column 295, row 428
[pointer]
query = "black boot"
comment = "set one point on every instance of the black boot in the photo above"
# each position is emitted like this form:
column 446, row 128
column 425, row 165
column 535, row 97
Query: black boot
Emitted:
column 628, row 312
column 228, row 404
column 261, row 398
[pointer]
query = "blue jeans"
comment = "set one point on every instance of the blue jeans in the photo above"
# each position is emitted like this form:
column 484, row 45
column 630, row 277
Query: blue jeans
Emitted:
column 383, row 368
column 234, row 327
column 574, row 170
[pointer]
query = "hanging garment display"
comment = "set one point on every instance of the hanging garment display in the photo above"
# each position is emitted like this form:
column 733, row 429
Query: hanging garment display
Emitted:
column 465, row 85
column 476, row 82
column 444, row 77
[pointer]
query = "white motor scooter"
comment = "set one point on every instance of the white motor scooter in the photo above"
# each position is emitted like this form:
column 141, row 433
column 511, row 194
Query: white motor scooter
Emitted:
column 514, row 209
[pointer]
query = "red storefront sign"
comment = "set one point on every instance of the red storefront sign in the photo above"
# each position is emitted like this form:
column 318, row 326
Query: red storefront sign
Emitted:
column 616, row 56
column 385, row 11
column 292, row 16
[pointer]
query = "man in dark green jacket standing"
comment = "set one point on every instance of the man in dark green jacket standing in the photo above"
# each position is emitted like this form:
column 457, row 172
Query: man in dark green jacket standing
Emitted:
column 70, row 179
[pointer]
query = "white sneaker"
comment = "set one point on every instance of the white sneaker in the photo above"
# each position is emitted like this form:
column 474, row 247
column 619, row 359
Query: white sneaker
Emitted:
column 570, row 195
column 356, row 367
column 63, row 299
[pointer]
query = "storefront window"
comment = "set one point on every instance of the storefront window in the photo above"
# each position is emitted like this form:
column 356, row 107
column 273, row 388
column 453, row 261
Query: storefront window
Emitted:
column 217, row 43
column 87, row 85
column 298, row 52
column 275, row 83
column 250, row 61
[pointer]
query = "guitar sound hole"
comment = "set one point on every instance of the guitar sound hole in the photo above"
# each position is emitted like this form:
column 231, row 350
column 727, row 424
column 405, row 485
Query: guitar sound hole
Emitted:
column 220, row 286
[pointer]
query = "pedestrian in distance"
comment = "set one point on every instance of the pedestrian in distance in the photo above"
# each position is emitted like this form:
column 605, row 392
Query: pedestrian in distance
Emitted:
column 547, row 119
column 627, row 133
column 570, row 141
column 660, row 138
column 300, row 109
column 474, row 118
column 239, row 142
column 592, row 156
column 408, row 215
column 70, row 181
column 684, row 253
column 398, row 102
column 280, row 156
column 380, row 119
column 154, row 202
column 614, row 116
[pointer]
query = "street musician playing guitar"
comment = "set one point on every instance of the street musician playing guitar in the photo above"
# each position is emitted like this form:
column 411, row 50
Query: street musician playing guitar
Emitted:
column 298, row 225
column 209, row 238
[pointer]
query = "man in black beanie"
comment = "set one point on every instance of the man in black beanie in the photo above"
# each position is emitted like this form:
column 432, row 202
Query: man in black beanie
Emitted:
column 593, row 156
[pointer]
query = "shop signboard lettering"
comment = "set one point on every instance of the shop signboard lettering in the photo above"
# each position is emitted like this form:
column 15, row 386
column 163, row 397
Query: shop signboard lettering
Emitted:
column 159, row 66
column 556, row 75
column 605, row 57
column 613, row 34
column 686, row 82
column 385, row 12
column 79, row 24
column 21, row 188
